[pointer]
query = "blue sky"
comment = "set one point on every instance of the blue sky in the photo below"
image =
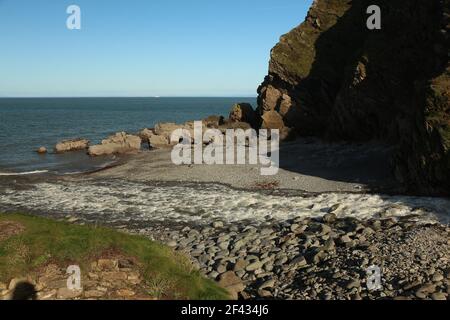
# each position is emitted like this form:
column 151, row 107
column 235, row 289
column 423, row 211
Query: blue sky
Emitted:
column 141, row 48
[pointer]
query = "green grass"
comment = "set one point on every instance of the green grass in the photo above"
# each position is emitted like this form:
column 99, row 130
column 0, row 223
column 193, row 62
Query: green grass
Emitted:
column 47, row 241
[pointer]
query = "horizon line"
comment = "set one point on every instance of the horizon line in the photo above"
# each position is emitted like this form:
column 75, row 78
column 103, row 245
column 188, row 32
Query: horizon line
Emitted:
column 153, row 97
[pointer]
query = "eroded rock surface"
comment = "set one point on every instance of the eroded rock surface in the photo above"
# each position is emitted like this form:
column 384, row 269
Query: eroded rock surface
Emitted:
column 71, row 145
column 333, row 77
column 120, row 143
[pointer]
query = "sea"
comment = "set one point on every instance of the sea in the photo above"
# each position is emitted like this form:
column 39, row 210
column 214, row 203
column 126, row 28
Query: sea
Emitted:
column 29, row 123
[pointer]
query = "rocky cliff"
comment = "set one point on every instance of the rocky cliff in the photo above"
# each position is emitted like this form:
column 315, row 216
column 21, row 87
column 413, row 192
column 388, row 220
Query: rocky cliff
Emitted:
column 333, row 77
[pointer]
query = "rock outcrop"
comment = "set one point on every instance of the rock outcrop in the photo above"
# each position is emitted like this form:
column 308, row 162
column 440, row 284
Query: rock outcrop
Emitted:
column 42, row 150
column 120, row 143
column 213, row 122
column 333, row 77
column 243, row 112
column 71, row 145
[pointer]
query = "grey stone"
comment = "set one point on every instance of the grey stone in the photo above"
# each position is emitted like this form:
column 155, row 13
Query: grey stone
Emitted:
column 329, row 218
column 254, row 266
column 439, row 296
column 217, row 224
column 205, row 259
column 240, row 265
column 267, row 284
column 353, row 284
column 299, row 262
column 437, row 277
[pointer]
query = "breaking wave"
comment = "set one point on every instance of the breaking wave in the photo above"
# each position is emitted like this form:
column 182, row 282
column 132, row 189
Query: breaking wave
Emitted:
column 11, row 174
column 123, row 201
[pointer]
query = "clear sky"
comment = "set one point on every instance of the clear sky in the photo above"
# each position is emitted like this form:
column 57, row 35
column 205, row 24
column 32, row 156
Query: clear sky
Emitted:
column 141, row 47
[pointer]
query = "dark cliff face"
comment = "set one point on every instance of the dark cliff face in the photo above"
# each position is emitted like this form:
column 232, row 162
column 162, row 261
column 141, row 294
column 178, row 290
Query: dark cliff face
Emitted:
column 335, row 78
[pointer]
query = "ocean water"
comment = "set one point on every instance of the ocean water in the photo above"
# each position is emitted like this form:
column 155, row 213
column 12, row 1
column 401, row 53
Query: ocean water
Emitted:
column 27, row 124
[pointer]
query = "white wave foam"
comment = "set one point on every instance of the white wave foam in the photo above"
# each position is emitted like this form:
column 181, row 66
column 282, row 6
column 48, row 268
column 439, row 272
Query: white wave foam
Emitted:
column 22, row 173
column 122, row 201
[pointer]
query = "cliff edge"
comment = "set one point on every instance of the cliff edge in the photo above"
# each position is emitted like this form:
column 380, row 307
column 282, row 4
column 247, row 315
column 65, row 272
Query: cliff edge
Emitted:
column 333, row 77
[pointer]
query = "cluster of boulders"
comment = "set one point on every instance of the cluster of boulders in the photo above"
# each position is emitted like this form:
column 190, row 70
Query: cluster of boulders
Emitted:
column 363, row 92
column 242, row 116
column 326, row 258
column 120, row 143
column 107, row 278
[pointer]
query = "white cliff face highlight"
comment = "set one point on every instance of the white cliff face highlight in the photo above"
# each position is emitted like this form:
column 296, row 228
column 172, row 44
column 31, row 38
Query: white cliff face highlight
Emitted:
column 118, row 200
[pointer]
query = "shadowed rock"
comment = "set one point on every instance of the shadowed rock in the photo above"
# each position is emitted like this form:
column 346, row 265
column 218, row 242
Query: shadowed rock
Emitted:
column 333, row 77
column 24, row 291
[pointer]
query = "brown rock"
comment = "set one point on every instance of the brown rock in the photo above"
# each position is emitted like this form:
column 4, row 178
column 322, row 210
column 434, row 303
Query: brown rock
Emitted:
column 240, row 265
column 232, row 283
column 126, row 293
column 213, row 121
column 134, row 278
column 243, row 112
column 145, row 134
column 72, row 145
column 285, row 105
column 271, row 98
column 114, row 276
column 234, row 126
column 272, row 120
column 5, row 294
column 42, row 150
column 126, row 263
column 439, row 296
column 67, row 294
column 14, row 282
column 120, row 143
column 107, row 264
column 166, row 129
column 47, row 295
column 159, row 142
column 425, row 290
column 52, row 283
column 94, row 294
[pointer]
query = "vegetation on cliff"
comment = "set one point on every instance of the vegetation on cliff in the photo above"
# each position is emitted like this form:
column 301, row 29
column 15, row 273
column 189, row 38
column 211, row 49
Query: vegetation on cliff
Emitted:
column 333, row 77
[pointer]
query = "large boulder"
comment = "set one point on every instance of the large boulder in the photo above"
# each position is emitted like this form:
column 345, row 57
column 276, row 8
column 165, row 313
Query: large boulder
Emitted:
column 71, row 145
column 213, row 121
column 120, row 143
column 42, row 150
column 161, row 137
column 166, row 129
column 159, row 141
column 272, row 120
column 232, row 283
column 234, row 126
column 243, row 112
column 333, row 77
column 146, row 133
